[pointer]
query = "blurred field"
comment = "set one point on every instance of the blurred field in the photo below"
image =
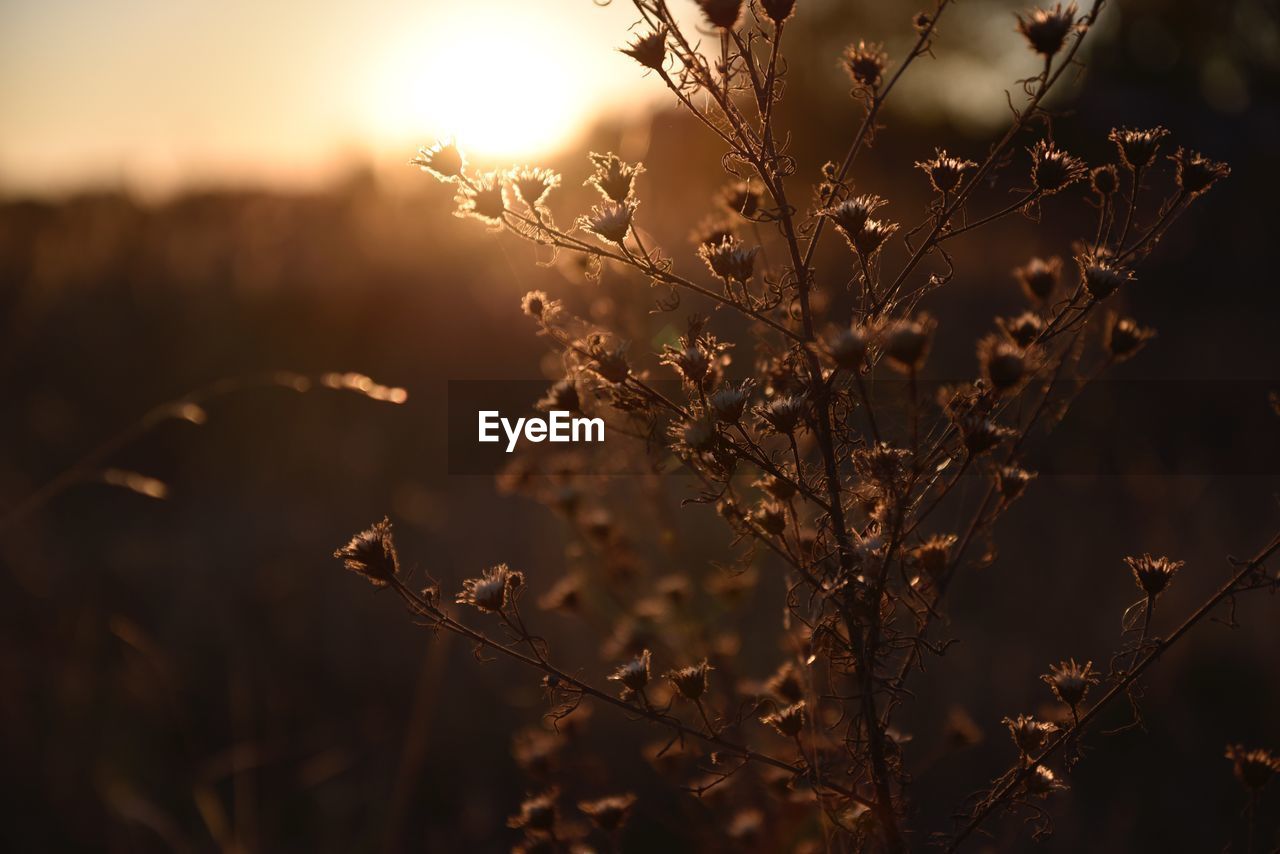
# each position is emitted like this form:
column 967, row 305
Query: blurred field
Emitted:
column 198, row 673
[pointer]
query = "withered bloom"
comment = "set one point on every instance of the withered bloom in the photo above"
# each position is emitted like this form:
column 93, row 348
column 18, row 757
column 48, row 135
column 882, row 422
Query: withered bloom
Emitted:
column 1125, row 337
column 649, row 49
column 1023, row 329
column 1053, row 170
column 444, row 160
column 729, row 402
column 1004, row 363
column 778, row 10
column 865, row 63
column 1138, row 148
column 691, row 682
column 484, row 199
column 609, row 814
column 1029, row 734
column 1153, row 574
column 372, row 553
column 1101, row 277
column 537, row 813
column 721, row 13
column 729, row 259
column 788, row 721
column 1046, row 29
column 1196, row 173
column 1043, row 782
column 906, row 342
column 933, row 554
column 1070, row 681
column 493, row 590
column 741, row 198
column 613, row 178
column 533, row 183
column 783, row 415
column 1039, row 277
column 785, row 684
column 1254, row 768
column 610, row 221
column 945, row 172
column 634, row 675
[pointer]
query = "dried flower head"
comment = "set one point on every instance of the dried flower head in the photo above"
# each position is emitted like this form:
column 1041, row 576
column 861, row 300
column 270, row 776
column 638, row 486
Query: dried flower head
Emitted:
column 1153, row 574
column 1101, row 277
column 1028, row 733
column 537, row 813
column 1070, row 681
column 539, row 306
column 691, row 682
column 865, row 63
column 1125, row 337
column 1104, row 179
column 1046, row 29
column 852, row 214
column 869, row 240
column 609, row 814
column 692, row 362
column 721, row 13
column 882, row 464
column 1053, row 170
column 493, row 590
column 609, row 221
column 443, row 160
column 563, row 396
column 981, row 434
column 1138, row 148
column 1023, row 329
column 945, row 172
column 649, row 49
column 1004, row 363
column 785, row 684
column 771, row 517
column 906, row 342
column 741, row 198
column 1012, row 481
column 780, row 488
column 778, row 10
column 788, row 721
column 634, row 675
column 729, row 402
column 372, row 553
column 730, row 259
column 1254, row 768
column 783, row 415
column 1196, row 173
column 933, row 554
column 533, row 183
column 1039, row 277
column 613, row 177
column 608, row 359
column 697, row 436
column 1043, row 782
column 483, row 198
column 564, row 596
column 847, row 347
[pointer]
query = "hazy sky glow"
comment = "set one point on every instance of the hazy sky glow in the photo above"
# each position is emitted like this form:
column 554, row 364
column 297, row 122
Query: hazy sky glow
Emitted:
column 156, row 94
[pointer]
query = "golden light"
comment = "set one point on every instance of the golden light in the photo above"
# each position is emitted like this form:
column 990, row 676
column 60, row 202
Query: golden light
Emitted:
column 501, row 78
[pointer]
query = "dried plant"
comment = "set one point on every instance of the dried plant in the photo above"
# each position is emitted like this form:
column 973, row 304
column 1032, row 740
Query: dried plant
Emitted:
column 840, row 488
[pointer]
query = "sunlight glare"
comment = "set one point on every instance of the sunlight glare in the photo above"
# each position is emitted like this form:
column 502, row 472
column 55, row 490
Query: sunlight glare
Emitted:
column 504, row 84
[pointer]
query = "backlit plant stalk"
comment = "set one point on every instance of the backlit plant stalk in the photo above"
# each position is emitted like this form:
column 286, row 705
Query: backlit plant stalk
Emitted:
column 801, row 462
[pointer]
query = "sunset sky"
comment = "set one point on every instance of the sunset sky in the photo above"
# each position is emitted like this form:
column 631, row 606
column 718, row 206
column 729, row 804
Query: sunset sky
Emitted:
column 159, row 94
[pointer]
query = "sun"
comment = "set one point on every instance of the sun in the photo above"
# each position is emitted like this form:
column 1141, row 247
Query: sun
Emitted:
column 505, row 84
